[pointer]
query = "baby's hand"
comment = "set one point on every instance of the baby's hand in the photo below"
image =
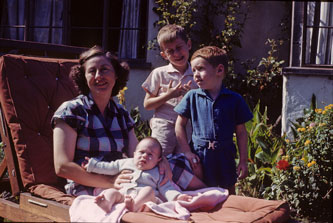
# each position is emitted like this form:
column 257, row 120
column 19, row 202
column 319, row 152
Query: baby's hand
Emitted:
column 184, row 197
column 84, row 164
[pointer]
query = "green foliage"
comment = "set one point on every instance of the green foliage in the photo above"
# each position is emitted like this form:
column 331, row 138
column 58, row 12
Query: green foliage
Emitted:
column 186, row 14
column 174, row 12
column 268, row 68
column 262, row 83
column 142, row 128
column 307, row 182
column 263, row 150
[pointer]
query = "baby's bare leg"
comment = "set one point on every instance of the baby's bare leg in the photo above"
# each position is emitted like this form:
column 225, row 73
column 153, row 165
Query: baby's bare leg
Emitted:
column 108, row 198
column 144, row 195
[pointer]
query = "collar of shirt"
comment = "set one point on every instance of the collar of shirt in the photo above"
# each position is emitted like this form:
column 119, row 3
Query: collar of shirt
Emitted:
column 171, row 69
column 206, row 94
column 90, row 103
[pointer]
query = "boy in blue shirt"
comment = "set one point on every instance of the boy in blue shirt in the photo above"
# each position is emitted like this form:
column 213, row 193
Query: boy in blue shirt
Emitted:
column 216, row 114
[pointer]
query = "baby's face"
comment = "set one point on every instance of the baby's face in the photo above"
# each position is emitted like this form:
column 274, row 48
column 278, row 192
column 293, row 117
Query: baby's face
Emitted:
column 146, row 155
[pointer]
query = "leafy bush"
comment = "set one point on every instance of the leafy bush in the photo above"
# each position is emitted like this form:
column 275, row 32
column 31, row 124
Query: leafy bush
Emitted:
column 263, row 83
column 142, row 128
column 263, row 150
column 303, row 176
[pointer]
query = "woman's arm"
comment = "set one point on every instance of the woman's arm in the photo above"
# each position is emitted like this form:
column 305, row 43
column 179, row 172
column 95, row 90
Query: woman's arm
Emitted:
column 64, row 143
column 133, row 142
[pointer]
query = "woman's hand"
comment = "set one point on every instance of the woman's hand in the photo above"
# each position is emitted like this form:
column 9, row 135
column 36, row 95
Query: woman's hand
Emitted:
column 164, row 168
column 193, row 159
column 124, row 177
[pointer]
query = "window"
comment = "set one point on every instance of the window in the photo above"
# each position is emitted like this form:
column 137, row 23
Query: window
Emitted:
column 318, row 33
column 116, row 25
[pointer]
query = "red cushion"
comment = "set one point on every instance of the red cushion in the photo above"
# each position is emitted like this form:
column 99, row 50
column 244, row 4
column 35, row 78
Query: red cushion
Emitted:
column 234, row 209
column 31, row 89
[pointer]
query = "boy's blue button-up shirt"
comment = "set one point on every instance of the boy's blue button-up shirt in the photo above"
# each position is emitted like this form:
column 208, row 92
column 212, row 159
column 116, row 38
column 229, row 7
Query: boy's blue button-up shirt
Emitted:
column 215, row 121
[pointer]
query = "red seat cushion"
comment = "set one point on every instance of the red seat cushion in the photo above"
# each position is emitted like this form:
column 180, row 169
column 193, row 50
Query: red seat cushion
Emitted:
column 234, row 209
column 31, row 89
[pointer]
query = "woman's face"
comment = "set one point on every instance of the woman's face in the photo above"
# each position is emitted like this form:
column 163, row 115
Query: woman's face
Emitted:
column 100, row 76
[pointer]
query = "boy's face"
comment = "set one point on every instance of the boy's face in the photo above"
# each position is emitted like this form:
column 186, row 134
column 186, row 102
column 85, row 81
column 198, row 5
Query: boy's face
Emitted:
column 147, row 155
column 177, row 52
column 205, row 75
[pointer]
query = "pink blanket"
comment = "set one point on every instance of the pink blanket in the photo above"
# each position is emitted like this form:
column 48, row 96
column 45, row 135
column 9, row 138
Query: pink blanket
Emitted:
column 84, row 209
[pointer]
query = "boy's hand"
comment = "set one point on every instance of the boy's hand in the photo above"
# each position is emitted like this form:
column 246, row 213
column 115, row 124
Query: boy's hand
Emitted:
column 174, row 92
column 178, row 90
column 164, row 169
column 184, row 197
column 186, row 87
column 193, row 159
column 242, row 170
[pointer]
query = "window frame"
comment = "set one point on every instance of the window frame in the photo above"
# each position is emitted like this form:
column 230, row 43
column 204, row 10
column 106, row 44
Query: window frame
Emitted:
column 66, row 27
column 306, row 26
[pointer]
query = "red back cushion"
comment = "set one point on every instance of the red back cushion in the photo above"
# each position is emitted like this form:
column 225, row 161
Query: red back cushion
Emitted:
column 31, row 89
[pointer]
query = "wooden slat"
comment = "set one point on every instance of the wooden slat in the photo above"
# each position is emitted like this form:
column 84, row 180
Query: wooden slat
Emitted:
column 19, row 44
column 13, row 212
column 3, row 167
column 46, row 208
column 10, row 155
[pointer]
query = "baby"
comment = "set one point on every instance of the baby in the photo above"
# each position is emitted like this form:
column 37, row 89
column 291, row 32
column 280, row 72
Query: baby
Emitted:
column 145, row 184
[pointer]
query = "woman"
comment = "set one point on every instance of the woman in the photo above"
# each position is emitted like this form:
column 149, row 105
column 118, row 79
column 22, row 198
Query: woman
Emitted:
column 92, row 124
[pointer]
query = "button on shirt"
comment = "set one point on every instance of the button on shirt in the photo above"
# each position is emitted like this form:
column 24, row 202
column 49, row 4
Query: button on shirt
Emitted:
column 214, row 120
column 157, row 84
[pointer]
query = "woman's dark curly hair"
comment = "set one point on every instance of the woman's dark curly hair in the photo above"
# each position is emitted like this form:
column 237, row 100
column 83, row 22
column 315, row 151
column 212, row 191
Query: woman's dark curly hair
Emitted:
column 78, row 71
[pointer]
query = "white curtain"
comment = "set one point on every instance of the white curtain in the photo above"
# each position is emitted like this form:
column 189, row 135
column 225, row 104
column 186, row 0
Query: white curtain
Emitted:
column 128, row 42
column 324, row 51
column 46, row 13
column 325, row 38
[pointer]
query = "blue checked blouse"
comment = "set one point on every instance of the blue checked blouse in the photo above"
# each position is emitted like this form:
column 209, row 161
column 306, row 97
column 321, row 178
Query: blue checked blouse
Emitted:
column 103, row 138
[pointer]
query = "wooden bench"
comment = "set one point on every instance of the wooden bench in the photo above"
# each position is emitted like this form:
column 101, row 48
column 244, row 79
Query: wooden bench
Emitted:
column 31, row 89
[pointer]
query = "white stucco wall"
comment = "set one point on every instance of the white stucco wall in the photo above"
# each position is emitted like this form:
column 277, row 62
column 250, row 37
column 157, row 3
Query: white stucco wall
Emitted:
column 297, row 93
column 135, row 94
column 263, row 22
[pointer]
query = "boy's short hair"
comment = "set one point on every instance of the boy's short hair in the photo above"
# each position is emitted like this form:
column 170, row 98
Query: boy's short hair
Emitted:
column 169, row 33
column 214, row 55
